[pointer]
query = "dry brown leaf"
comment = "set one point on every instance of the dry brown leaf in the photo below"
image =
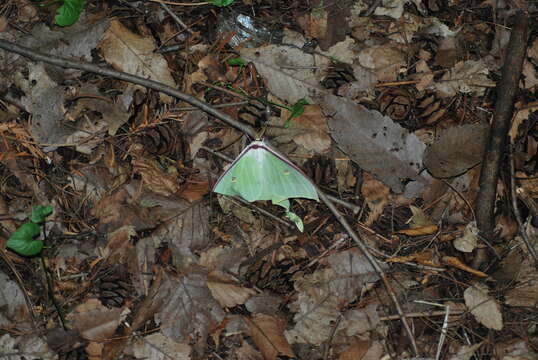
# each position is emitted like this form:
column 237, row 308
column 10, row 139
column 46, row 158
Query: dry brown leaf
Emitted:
column 385, row 60
column 268, row 334
column 376, row 195
column 314, row 133
column 467, row 77
column 134, row 54
column 425, row 230
column 419, row 218
column 469, row 239
column 484, row 308
column 119, row 248
column 355, row 350
column 456, row 150
column 116, row 210
column 247, row 352
column 426, row 257
column 508, row 227
column 226, row 291
column 94, row 321
column 457, row 263
column 154, row 178
column 194, row 190
column 522, row 112
column 94, row 350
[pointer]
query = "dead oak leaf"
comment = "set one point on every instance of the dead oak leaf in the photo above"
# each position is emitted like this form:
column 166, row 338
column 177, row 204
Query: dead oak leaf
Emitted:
column 313, row 132
column 94, row 321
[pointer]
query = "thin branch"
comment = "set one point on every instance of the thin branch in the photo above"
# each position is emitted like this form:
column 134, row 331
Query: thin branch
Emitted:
column 66, row 63
column 176, row 18
column 120, row 75
column 517, row 214
column 496, row 143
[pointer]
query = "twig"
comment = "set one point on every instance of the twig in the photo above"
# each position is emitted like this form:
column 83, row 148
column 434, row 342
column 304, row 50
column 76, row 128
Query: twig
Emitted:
column 374, row 264
column 461, row 197
column 50, row 290
column 421, row 314
column 517, row 214
column 175, row 17
column 120, row 75
column 372, row 8
column 496, row 143
column 218, row 106
column 331, row 336
column 66, row 63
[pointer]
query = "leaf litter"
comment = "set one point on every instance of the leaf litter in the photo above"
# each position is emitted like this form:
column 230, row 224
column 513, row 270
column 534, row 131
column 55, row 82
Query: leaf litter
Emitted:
column 142, row 261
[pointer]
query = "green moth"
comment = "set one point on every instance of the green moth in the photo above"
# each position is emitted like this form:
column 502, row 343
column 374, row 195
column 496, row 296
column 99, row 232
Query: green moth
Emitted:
column 262, row 173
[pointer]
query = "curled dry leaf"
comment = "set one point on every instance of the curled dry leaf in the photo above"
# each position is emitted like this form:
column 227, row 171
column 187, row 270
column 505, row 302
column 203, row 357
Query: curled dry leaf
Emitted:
column 457, row 263
column 469, row 241
column 419, row 218
column 426, row 257
column 425, row 230
column 376, row 195
column 484, row 308
column 456, row 150
column 268, row 334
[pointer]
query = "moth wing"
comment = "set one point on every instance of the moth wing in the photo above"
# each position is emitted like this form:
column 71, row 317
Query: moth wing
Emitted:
column 284, row 181
column 242, row 178
column 261, row 173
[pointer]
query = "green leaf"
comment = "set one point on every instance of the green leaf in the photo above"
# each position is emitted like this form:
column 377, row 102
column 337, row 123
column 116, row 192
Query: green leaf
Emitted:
column 22, row 240
column 69, row 12
column 39, row 213
column 237, row 62
column 222, row 3
column 296, row 110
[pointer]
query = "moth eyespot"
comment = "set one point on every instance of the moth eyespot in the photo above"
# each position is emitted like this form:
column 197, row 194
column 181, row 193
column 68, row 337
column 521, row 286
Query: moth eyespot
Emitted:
column 234, row 179
column 286, row 172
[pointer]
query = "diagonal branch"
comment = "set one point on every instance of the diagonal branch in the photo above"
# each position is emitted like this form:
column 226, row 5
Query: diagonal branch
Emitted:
column 495, row 150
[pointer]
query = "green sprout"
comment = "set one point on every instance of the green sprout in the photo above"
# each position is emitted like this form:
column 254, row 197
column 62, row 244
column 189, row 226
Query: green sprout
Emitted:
column 23, row 240
column 296, row 110
column 222, row 3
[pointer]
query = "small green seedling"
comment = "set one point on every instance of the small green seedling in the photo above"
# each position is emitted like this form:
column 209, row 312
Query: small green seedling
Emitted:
column 23, row 240
column 69, row 12
column 296, row 110
column 238, row 62
column 222, row 3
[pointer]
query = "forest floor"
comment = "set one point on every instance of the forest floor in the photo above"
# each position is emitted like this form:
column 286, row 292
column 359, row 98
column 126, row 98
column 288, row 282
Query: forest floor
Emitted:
column 415, row 120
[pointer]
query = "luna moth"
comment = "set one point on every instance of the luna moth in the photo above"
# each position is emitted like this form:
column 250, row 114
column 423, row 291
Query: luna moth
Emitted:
column 262, row 173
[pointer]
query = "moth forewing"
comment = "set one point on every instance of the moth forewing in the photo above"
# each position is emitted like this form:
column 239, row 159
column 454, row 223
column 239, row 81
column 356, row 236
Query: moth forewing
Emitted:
column 262, row 173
